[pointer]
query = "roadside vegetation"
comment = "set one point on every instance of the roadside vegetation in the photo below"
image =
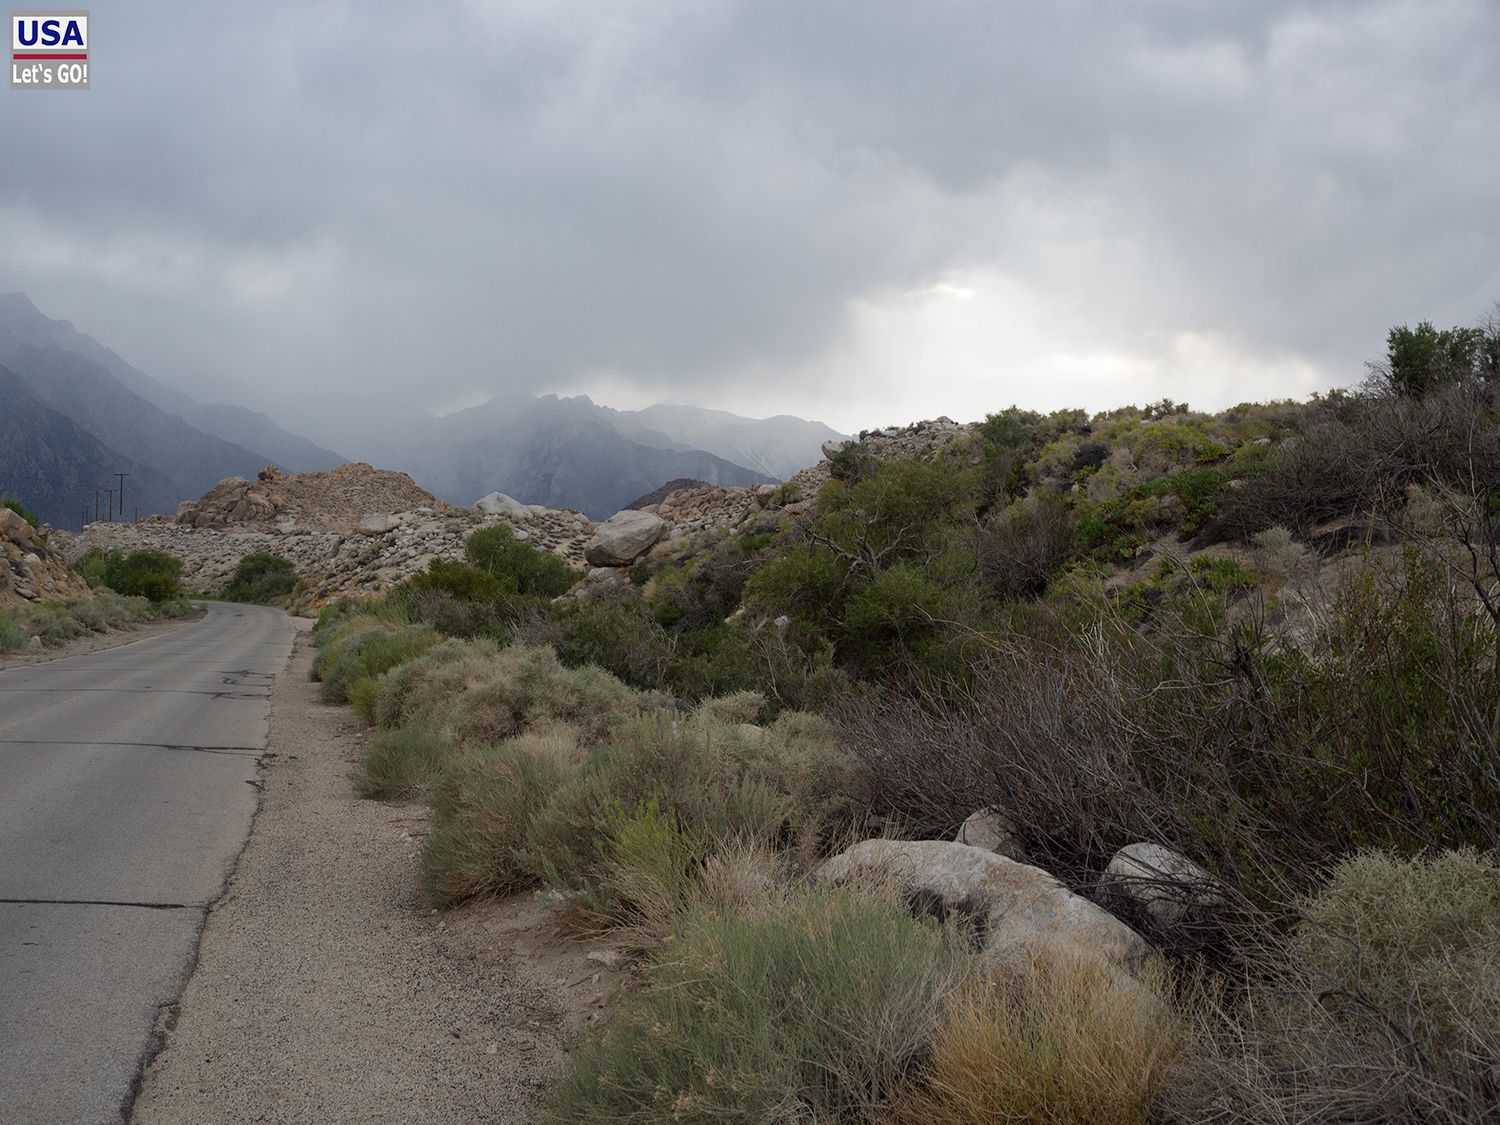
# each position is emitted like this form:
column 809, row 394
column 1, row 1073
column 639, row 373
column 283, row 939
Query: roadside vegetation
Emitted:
column 1265, row 638
column 153, row 575
column 56, row 623
column 261, row 578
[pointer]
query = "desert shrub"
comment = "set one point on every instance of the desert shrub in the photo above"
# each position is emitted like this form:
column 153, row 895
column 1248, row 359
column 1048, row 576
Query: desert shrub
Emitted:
column 1419, row 938
column 714, row 661
column 1052, row 1042
column 369, row 654
column 401, row 763
column 1264, row 760
column 699, row 592
column 19, row 508
column 527, row 569
column 1383, row 1006
column 618, row 636
column 1022, row 546
column 784, row 786
column 480, row 692
column 261, row 578
column 481, row 814
column 813, row 1007
column 100, row 612
column 885, row 571
column 737, row 707
column 154, row 575
column 13, row 635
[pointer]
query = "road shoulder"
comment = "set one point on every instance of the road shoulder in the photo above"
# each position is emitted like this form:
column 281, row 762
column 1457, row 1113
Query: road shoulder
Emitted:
column 326, row 991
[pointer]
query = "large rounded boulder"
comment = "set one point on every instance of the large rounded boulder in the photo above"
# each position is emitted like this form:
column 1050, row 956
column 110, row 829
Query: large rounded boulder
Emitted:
column 623, row 538
column 1020, row 911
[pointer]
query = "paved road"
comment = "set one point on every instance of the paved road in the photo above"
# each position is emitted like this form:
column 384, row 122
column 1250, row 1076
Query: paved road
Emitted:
column 126, row 794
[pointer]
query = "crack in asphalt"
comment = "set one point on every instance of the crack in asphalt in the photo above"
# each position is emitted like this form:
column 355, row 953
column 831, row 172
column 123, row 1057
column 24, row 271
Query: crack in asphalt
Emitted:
column 224, row 751
column 213, row 694
column 100, row 902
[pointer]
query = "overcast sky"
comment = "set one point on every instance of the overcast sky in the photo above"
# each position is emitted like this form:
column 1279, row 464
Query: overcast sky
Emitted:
column 865, row 212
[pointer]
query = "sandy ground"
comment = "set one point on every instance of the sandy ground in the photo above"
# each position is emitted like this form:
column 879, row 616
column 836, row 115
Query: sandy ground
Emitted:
column 327, row 992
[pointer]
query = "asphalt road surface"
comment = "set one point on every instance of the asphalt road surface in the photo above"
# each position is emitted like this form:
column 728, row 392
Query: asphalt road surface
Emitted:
column 127, row 788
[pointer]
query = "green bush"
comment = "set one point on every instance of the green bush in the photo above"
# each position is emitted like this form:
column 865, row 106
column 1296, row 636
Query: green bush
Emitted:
column 528, row 569
column 369, row 654
column 813, row 1008
column 19, row 508
column 617, row 635
column 154, row 575
column 261, row 578
column 13, row 635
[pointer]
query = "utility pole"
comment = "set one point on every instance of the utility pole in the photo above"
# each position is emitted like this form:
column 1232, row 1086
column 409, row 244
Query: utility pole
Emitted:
column 137, row 511
column 96, row 505
column 83, row 520
column 110, row 492
column 122, row 477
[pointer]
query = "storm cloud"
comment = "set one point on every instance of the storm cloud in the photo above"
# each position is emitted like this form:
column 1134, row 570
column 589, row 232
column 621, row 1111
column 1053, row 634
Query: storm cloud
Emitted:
column 860, row 211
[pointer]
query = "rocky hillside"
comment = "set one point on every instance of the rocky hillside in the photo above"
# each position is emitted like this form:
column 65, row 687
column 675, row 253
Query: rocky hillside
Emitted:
column 30, row 569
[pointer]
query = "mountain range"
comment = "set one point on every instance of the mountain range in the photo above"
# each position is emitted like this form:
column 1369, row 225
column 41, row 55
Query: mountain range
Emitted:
column 76, row 413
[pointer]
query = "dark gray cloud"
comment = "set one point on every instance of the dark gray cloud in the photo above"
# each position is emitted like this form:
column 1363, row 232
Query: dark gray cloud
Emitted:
column 760, row 202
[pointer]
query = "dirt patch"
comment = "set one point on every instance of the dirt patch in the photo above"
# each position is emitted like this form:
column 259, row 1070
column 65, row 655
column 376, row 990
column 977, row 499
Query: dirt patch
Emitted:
column 326, row 990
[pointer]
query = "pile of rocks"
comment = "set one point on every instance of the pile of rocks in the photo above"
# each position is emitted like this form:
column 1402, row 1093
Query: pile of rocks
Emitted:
column 1022, row 911
column 330, row 501
column 31, row 568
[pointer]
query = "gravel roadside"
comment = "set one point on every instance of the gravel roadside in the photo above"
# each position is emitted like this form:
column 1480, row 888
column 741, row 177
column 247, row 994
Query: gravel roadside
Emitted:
column 325, row 991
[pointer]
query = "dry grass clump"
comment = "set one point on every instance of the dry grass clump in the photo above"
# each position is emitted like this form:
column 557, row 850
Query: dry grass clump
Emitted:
column 1053, row 1042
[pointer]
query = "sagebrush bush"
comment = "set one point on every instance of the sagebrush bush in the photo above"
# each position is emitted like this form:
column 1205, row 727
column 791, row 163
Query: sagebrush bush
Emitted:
column 13, row 635
column 366, row 654
column 481, row 692
column 102, row 611
column 1383, row 1006
column 815, row 1006
column 482, row 809
column 402, row 763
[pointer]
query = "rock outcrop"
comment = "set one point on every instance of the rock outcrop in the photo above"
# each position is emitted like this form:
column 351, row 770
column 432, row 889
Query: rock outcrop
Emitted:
column 336, row 500
column 624, row 537
column 1021, row 911
column 31, row 570
column 499, row 504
